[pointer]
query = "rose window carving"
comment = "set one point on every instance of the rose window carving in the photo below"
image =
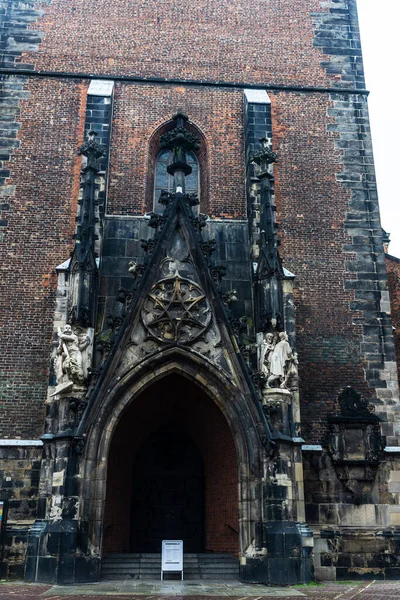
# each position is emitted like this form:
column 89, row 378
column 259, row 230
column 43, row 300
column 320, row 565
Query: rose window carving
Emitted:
column 176, row 310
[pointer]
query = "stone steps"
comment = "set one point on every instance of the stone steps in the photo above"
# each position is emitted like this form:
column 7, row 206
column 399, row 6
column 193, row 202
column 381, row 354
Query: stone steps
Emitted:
column 148, row 566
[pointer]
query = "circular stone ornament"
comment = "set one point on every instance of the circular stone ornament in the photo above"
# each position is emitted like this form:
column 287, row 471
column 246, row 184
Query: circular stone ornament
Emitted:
column 176, row 310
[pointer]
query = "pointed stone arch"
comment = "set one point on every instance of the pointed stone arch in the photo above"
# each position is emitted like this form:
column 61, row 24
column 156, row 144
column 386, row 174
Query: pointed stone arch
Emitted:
column 236, row 409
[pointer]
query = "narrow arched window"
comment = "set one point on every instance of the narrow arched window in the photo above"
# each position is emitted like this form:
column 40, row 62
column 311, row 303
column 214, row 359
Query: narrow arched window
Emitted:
column 164, row 181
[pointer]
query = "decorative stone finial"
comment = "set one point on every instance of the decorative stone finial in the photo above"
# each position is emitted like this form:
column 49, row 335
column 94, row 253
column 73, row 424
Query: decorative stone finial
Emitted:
column 92, row 150
column 180, row 136
column 180, row 140
column 265, row 156
column 83, row 268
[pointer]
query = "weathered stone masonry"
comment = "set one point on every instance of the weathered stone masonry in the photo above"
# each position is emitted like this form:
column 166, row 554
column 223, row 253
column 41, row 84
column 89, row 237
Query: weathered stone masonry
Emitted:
column 19, row 486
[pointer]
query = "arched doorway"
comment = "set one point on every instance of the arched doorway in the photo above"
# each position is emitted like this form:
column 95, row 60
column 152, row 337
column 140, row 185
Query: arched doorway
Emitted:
column 168, row 492
column 172, row 454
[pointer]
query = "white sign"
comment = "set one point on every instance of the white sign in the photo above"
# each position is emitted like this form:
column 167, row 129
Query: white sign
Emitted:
column 172, row 556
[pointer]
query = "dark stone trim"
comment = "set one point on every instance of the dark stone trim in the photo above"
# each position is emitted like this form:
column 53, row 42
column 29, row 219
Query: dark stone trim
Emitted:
column 366, row 260
column 186, row 82
column 336, row 33
column 257, row 125
column 12, row 81
column 98, row 118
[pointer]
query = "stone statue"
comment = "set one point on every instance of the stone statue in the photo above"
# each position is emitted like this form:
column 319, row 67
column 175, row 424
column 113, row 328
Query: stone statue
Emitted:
column 282, row 363
column 267, row 348
column 69, row 364
column 292, row 371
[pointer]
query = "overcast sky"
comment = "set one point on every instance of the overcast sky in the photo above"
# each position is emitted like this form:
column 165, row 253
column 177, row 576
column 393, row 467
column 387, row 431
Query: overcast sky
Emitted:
column 380, row 32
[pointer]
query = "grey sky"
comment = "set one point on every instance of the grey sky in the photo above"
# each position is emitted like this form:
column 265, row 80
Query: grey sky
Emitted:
column 379, row 26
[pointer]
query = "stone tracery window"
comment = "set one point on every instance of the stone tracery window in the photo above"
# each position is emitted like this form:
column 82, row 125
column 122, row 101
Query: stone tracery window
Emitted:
column 164, row 181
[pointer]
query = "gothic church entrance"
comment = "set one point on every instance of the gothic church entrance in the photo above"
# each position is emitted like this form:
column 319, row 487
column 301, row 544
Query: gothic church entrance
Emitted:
column 172, row 473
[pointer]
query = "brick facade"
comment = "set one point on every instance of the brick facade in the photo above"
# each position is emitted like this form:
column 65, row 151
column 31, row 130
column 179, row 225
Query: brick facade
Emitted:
column 216, row 113
column 310, row 177
column 177, row 57
column 37, row 238
column 185, row 41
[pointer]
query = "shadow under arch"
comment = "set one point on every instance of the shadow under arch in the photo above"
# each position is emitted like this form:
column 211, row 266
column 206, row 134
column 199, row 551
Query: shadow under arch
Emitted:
column 201, row 154
column 234, row 406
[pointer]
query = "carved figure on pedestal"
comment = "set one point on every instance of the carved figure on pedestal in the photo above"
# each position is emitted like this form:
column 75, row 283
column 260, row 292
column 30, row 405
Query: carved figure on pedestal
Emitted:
column 69, row 363
column 292, row 371
column 282, row 363
column 267, row 348
column 55, row 513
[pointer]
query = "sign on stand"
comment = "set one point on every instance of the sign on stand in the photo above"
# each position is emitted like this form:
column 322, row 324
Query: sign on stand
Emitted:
column 172, row 557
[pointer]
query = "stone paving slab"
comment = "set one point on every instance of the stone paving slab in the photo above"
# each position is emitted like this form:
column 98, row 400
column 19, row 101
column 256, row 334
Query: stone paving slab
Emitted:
column 172, row 588
column 350, row 590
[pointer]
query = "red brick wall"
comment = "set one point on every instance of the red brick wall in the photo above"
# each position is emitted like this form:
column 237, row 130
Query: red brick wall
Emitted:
column 311, row 209
column 393, row 271
column 264, row 42
column 43, row 205
column 41, row 220
column 237, row 40
column 174, row 401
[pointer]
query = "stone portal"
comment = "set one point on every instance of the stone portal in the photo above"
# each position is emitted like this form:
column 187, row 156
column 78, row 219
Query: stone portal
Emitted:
column 172, row 474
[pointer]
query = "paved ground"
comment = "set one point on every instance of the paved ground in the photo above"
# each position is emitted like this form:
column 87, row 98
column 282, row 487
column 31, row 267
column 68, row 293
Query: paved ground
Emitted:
column 124, row 590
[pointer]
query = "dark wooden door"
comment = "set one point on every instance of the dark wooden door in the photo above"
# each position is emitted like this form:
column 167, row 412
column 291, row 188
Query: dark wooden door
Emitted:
column 168, row 493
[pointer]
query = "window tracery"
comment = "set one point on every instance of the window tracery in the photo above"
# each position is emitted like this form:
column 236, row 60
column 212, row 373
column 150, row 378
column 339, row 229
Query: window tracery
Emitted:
column 164, row 181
